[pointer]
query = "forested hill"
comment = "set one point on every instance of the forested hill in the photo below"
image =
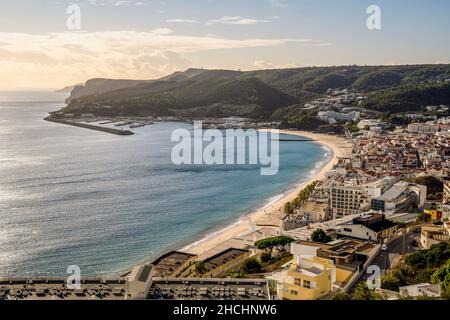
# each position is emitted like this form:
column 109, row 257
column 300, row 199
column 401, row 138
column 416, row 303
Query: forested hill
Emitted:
column 261, row 94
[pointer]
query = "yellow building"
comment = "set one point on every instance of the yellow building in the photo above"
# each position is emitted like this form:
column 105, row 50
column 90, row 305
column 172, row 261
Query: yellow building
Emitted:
column 434, row 210
column 319, row 269
column 434, row 214
column 312, row 278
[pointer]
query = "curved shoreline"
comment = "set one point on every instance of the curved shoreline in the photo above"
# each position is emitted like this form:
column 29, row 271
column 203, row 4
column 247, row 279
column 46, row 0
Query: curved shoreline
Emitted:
column 272, row 214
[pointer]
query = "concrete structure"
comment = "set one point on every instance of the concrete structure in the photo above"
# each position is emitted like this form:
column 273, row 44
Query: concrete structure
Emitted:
column 346, row 201
column 420, row 290
column 314, row 211
column 140, row 281
column 208, row 289
column 400, row 198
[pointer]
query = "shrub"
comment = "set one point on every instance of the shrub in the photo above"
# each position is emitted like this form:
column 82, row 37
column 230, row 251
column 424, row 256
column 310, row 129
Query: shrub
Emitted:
column 266, row 257
column 393, row 280
column 251, row 265
column 320, row 236
column 200, row 267
column 442, row 276
column 437, row 255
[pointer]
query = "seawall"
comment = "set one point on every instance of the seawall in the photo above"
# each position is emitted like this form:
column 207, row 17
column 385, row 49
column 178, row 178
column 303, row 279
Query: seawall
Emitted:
column 92, row 127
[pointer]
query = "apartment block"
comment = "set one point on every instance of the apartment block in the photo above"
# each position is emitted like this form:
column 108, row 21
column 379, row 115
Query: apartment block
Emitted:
column 346, row 201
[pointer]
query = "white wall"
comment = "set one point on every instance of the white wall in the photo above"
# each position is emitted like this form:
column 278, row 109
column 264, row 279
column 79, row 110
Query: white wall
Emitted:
column 298, row 250
column 358, row 231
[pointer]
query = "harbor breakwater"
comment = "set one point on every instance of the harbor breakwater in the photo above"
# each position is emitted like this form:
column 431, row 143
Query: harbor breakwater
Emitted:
column 119, row 132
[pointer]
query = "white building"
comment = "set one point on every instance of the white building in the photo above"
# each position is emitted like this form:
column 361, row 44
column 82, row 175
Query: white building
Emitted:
column 346, row 200
column 370, row 123
column 371, row 227
column 399, row 198
column 333, row 117
column 423, row 128
column 431, row 235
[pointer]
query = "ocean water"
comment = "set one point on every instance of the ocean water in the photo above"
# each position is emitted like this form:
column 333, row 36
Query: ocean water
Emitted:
column 72, row 196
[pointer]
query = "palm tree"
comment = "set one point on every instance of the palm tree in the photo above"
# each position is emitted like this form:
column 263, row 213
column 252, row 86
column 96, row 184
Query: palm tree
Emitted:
column 363, row 292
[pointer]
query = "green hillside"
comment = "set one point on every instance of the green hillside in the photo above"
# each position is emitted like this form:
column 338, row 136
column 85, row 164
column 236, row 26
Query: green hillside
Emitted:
column 263, row 94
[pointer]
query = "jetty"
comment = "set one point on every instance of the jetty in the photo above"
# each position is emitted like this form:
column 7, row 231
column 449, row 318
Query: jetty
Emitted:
column 91, row 126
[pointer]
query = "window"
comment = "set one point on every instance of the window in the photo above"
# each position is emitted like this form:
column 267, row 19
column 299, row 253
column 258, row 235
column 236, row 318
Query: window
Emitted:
column 294, row 293
column 298, row 282
column 307, row 284
column 348, row 230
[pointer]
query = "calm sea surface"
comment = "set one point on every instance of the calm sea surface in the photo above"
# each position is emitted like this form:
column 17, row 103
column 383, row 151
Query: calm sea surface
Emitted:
column 72, row 196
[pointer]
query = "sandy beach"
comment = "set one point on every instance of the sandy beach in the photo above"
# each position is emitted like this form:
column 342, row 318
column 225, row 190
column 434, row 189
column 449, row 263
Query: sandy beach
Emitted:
column 272, row 214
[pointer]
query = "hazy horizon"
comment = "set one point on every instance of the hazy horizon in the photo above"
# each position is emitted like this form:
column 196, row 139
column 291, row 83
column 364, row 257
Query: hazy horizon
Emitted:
column 46, row 89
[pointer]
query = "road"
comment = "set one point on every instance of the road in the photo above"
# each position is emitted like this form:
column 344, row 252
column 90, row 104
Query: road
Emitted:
column 385, row 259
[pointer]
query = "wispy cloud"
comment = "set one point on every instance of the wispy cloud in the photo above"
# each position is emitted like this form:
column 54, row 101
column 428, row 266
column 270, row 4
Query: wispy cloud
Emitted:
column 66, row 58
column 262, row 64
column 236, row 20
column 118, row 3
column 277, row 3
column 182, row 21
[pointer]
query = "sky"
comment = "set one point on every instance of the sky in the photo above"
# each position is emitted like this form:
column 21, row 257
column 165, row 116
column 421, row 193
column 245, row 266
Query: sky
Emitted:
column 44, row 45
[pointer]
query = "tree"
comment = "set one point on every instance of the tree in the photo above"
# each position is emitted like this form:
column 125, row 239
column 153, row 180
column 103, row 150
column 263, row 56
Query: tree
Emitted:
column 266, row 257
column 269, row 244
column 363, row 292
column 289, row 208
column 251, row 265
column 437, row 255
column 352, row 127
column 424, row 218
column 442, row 276
column 200, row 267
column 393, row 280
column 446, row 293
column 320, row 236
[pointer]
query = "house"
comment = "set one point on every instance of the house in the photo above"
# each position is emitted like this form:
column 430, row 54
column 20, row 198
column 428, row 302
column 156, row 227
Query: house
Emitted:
column 310, row 278
column 371, row 227
column 434, row 234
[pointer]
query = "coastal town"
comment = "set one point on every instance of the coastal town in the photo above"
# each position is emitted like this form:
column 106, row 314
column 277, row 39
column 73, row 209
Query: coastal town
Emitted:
column 361, row 226
column 225, row 159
